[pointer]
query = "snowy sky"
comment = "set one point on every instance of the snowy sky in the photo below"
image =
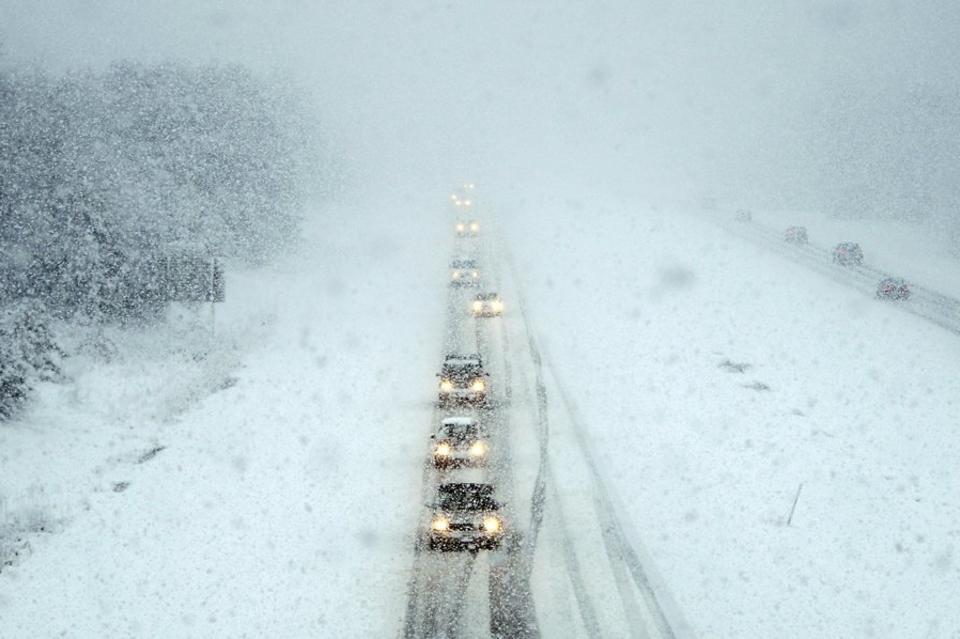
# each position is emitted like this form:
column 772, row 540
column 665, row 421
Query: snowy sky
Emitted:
column 657, row 97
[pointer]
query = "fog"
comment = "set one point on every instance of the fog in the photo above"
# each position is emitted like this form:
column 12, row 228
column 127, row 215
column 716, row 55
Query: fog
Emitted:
column 746, row 102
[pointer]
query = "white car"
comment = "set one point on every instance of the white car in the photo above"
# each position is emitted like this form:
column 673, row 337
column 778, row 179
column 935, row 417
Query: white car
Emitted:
column 464, row 273
column 467, row 228
column 487, row 305
column 460, row 441
column 463, row 380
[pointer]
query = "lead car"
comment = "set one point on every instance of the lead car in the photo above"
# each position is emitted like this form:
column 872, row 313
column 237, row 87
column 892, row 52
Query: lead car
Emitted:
column 465, row 517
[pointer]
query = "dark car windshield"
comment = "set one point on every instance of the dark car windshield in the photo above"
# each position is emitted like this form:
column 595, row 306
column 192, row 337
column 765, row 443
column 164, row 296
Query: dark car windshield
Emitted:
column 462, row 372
column 467, row 501
column 461, row 431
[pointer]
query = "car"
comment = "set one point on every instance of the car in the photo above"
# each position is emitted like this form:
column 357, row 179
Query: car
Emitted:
column 743, row 215
column 464, row 273
column 462, row 197
column 848, row 253
column 487, row 305
column 467, row 228
column 465, row 517
column 795, row 234
column 460, row 441
column 463, row 380
column 893, row 288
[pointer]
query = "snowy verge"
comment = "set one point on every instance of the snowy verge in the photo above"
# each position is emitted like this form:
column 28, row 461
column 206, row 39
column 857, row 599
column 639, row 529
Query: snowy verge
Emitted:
column 715, row 379
column 282, row 504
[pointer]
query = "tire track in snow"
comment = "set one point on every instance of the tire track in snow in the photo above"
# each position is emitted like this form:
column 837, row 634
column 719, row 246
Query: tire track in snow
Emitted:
column 544, row 473
column 615, row 539
column 619, row 551
column 512, row 608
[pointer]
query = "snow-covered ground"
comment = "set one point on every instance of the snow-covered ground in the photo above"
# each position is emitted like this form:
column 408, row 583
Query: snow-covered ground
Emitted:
column 715, row 379
column 281, row 505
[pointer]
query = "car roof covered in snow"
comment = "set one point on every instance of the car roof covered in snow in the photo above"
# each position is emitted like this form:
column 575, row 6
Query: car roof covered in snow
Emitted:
column 458, row 421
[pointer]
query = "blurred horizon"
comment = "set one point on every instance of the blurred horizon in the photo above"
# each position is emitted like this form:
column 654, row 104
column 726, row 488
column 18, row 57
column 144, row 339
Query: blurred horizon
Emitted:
column 849, row 106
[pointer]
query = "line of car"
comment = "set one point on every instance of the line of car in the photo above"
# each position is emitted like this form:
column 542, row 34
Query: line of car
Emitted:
column 465, row 513
column 844, row 254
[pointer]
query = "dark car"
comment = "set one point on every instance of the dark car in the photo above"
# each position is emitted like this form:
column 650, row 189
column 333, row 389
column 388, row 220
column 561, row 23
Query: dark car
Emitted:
column 463, row 380
column 795, row 234
column 847, row 254
column 893, row 288
column 465, row 517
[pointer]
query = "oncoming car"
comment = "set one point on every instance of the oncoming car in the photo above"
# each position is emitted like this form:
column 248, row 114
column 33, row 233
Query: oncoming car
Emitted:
column 460, row 441
column 463, row 380
column 795, row 234
column 893, row 288
column 465, row 517
column 467, row 228
column 743, row 215
column 848, row 253
column 487, row 305
column 464, row 272
column 462, row 198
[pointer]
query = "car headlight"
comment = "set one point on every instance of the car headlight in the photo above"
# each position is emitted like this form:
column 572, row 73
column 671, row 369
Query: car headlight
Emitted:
column 475, row 274
column 446, row 386
column 455, row 275
column 477, row 386
column 466, row 202
column 491, row 524
column 460, row 228
column 497, row 306
column 474, row 227
column 478, row 306
column 443, row 449
column 478, row 449
column 440, row 524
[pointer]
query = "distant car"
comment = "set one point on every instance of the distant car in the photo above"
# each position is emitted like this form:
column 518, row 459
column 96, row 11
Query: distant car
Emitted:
column 463, row 380
column 464, row 273
column 467, row 228
column 487, row 305
column 848, row 253
column 460, row 441
column 893, row 288
column 462, row 197
column 743, row 215
column 796, row 234
column 466, row 517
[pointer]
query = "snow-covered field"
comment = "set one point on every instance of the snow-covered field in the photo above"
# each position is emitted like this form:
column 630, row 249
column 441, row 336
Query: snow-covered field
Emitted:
column 715, row 379
column 281, row 505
